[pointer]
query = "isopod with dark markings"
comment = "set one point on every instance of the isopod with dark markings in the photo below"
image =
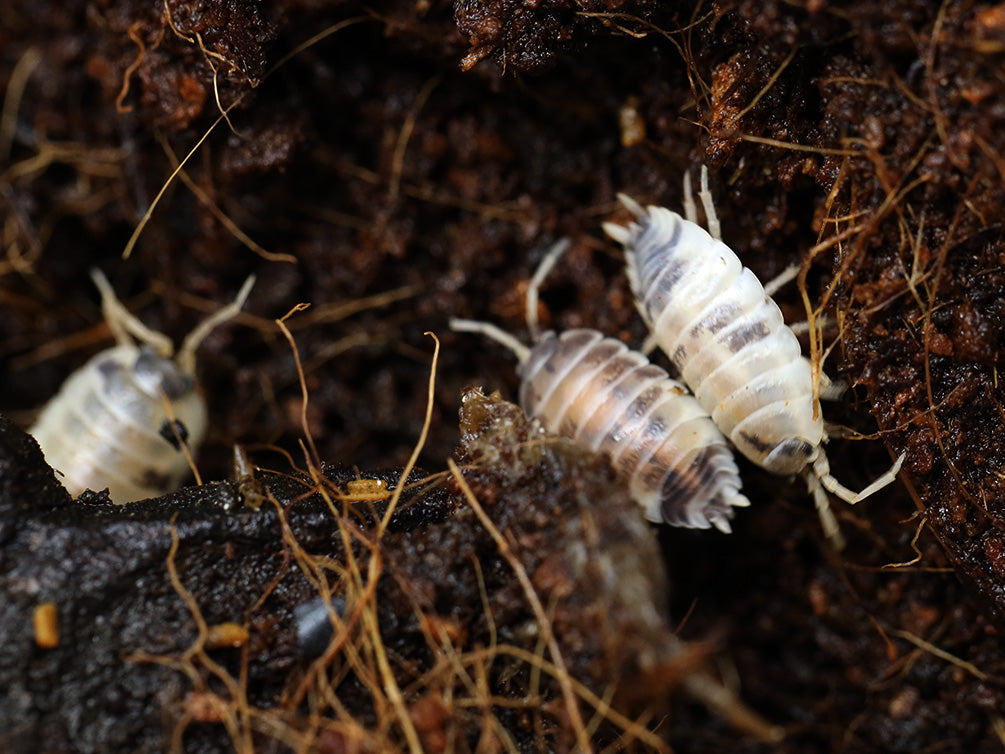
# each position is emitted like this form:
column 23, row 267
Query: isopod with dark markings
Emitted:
column 606, row 397
column 726, row 336
column 115, row 422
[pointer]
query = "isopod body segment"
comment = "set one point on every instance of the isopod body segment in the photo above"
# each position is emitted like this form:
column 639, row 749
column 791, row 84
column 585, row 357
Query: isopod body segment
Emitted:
column 103, row 427
column 131, row 418
column 608, row 398
column 712, row 318
column 726, row 336
column 597, row 392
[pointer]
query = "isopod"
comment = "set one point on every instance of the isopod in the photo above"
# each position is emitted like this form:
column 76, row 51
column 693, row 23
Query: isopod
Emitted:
column 726, row 336
column 118, row 420
column 608, row 398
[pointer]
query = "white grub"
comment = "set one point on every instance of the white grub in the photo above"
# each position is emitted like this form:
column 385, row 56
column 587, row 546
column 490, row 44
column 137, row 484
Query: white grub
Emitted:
column 597, row 392
column 726, row 336
column 116, row 420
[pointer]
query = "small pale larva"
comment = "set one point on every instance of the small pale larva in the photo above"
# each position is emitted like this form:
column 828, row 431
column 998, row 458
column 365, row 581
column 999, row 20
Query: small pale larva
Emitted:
column 610, row 399
column 712, row 317
column 115, row 422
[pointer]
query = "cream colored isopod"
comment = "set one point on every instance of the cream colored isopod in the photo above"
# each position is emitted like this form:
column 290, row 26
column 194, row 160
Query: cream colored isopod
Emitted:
column 111, row 424
column 726, row 336
column 610, row 399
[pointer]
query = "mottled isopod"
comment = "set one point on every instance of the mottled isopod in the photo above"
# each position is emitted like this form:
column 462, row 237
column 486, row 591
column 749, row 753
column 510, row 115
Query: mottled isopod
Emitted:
column 114, row 421
column 725, row 334
column 610, row 399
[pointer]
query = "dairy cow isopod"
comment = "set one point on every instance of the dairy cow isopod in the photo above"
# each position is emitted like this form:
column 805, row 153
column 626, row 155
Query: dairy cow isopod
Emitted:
column 116, row 422
column 726, row 336
column 598, row 392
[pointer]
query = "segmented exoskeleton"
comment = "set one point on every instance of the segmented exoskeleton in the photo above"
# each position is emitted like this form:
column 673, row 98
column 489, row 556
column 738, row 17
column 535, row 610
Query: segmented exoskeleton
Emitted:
column 727, row 337
column 116, row 422
column 610, row 399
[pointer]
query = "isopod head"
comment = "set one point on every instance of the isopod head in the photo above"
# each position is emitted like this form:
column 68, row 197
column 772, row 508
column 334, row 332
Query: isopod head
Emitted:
column 106, row 424
column 132, row 418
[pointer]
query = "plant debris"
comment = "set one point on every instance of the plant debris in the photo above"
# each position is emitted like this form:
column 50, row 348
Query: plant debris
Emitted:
column 192, row 606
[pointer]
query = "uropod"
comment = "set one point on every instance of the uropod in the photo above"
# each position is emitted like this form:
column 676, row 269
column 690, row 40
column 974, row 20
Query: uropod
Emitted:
column 610, row 399
column 726, row 336
column 117, row 420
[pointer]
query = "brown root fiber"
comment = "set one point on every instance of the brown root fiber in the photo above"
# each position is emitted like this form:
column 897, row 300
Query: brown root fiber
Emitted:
column 455, row 628
column 362, row 170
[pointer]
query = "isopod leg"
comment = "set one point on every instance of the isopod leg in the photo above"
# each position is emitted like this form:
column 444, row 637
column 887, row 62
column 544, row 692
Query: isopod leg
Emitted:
column 820, row 481
column 831, row 390
column 821, row 469
column 705, row 195
column 690, row 208
column 785, row 276
column 546, row 265
column 823, row 504
column 123, row 323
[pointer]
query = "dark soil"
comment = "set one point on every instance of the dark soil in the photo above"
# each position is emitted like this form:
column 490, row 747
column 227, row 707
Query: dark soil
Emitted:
column 435, row 150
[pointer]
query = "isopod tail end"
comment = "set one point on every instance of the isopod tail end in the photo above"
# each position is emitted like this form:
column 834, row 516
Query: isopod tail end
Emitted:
column 632, row 206
column 721, row 523
column 739, row 501
column 618, row 233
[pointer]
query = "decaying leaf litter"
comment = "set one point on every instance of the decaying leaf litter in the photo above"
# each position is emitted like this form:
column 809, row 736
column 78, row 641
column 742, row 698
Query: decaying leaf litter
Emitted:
column 865, row 138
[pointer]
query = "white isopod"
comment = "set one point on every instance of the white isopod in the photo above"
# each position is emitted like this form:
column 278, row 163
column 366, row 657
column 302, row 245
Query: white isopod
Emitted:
column 610, row 399
column 726, row 336
column 114, row 421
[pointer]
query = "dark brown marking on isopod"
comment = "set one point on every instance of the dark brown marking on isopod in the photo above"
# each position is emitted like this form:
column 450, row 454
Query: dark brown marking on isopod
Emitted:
column 662, row 287
column 170, row 378
column 791, row 448
column 756, row 442
column 679, row 487
column 742, row 337
column 110, row 370
column 641, row 405
column 174, row 432
column 721, row 316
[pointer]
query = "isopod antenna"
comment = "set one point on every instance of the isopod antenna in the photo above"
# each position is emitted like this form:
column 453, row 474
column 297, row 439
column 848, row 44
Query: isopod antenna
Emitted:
column 546, row 265
column 494, row 332
column 186, row 354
